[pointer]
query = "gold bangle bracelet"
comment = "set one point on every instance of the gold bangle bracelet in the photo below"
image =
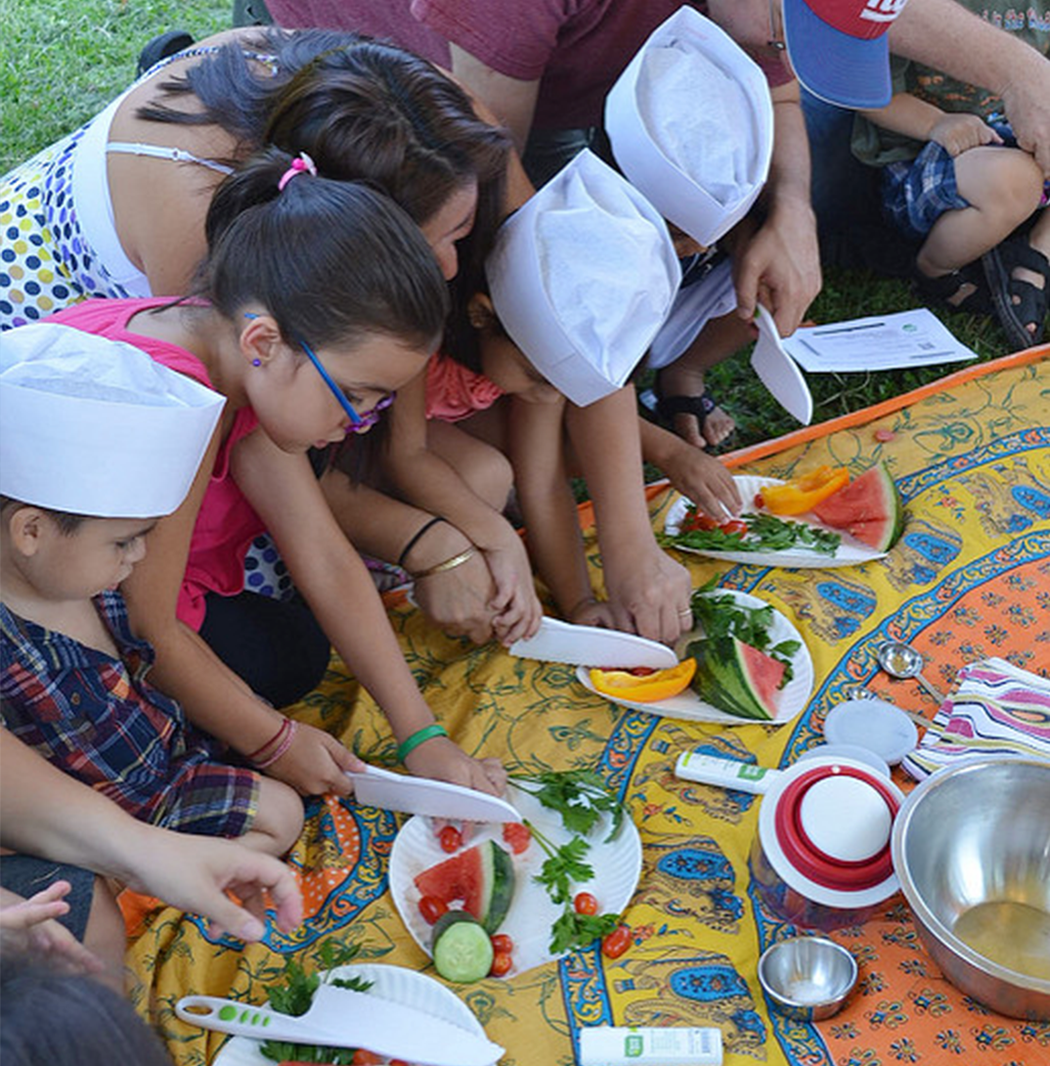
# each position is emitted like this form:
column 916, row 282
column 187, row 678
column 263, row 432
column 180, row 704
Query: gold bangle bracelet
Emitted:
column 448, row 564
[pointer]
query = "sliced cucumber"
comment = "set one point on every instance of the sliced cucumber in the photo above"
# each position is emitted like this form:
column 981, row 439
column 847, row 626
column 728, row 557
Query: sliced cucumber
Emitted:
column 462, row 949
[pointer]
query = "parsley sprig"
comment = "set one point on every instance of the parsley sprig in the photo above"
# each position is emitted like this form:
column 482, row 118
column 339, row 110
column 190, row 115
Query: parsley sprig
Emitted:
column 765, row 533
column 580, row 797
column 721, row 615
column 293, row 993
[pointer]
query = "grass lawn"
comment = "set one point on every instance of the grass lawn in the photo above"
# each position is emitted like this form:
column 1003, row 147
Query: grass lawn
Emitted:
column 60, row 63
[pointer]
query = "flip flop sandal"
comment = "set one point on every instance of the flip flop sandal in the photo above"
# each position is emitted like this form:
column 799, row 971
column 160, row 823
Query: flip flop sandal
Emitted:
column 999, row 265
column 160, row 47
column 697, row 406
column 940, row 291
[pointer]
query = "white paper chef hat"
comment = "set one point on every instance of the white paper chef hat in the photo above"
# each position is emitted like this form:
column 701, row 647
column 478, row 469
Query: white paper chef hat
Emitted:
column 582, row 277
column 93, row 426
column 691, row 125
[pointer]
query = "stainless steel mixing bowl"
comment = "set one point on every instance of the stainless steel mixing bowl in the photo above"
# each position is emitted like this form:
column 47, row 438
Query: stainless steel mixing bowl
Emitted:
column 971, row 847
column 807, row 977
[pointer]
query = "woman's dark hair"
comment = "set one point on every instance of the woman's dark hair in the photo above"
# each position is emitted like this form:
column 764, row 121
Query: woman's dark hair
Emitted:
column 332, row 261
column 363, row 110
column 55, row 1019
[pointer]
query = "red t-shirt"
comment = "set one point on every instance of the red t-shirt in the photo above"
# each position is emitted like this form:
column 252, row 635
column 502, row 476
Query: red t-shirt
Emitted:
column 577, row 48
column 227, row 522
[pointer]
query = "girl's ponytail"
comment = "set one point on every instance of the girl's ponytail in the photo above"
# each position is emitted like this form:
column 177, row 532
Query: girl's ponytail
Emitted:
column 330, row 260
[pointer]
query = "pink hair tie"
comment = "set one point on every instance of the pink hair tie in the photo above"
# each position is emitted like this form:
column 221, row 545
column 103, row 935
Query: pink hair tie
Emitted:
column 303, row 165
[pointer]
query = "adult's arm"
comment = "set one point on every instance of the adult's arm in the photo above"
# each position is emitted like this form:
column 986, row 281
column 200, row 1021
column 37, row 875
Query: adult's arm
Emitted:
column 336, row 584
column 426, row 480
column 946, row 36
column 780, row 264
column 647, row 590
column 52, row 815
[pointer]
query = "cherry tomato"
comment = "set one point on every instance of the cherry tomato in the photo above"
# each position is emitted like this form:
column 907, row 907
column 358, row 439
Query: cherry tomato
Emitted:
column 502, row 942
column 734, row 527
column 501, row 964
column 450, row 838
column 432, row 908
column 697, row 520
column 617, row 942
column 366, row 1058
column 517, row 836
column 585, row 903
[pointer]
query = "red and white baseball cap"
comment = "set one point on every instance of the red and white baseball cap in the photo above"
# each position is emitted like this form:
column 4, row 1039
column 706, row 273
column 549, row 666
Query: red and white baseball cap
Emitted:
column 839, row 50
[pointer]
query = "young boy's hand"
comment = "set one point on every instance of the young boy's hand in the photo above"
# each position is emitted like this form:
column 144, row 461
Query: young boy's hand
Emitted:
column 30, row 925
column 957, row 133
column 706, row 481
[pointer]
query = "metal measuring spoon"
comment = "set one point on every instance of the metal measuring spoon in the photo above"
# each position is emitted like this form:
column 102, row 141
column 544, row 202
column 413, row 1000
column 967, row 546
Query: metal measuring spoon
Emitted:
column 902, row 661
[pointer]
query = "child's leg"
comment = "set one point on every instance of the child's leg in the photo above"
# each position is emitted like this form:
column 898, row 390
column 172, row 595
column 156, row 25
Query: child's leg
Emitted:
column 719, row 339
column 278, row 820
column 1003, row 187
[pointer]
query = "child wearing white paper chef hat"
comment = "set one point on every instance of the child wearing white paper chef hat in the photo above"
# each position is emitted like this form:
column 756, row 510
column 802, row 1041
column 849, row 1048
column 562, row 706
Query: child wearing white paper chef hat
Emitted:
column 690, row 122
column 97, row 444
column 317, row 300
column 578, row 284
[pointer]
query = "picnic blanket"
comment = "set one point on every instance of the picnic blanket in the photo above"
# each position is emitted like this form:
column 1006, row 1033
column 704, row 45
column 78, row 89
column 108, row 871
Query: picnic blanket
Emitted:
column 969, row 579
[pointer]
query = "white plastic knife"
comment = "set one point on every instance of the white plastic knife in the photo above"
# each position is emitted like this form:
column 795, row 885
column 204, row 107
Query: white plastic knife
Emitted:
column 381, row 788
column 562, row 642
column 778, row 371
column 341, row 1017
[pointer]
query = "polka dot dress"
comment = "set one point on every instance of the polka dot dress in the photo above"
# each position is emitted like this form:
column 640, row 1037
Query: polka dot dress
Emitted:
column 33, row 282
column 45, row 262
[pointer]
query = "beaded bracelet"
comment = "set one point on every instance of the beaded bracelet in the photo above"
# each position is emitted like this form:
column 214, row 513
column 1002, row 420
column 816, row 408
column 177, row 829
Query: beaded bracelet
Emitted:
column 260, row 751
column 448, row 564
column 409, row 744
column 416, row 538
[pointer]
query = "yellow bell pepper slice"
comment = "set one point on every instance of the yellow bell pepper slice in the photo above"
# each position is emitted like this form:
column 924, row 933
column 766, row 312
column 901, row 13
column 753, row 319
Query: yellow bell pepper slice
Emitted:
column 803, row 493
column 647, row 687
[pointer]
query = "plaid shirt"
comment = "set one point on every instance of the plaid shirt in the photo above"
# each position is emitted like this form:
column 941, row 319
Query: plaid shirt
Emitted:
column 99, row 720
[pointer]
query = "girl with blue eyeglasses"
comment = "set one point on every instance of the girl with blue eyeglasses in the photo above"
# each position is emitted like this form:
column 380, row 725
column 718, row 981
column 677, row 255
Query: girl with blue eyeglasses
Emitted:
column 317, row 300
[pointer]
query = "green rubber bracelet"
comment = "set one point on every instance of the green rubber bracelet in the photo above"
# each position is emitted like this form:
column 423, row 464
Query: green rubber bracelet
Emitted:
column 420, row 736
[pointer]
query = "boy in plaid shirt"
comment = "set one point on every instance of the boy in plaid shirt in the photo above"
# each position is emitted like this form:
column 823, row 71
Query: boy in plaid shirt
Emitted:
column 97, row 442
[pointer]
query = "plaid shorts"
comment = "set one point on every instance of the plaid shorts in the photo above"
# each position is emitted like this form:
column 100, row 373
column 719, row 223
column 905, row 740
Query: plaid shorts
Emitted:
column 915, row 194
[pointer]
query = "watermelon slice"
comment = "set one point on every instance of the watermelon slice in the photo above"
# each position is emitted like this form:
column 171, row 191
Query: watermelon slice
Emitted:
column 736, row 678
column 869, row 509
column 481, row 878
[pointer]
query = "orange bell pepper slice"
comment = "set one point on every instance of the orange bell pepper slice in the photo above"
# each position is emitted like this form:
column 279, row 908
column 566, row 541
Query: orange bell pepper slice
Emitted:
column 803, row 493
column 644, row 688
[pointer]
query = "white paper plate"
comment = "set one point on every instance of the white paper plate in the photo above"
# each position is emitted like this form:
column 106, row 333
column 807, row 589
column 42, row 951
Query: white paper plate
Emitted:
column 617, row 866
column 392, row 982
column 688, row 705
column 850, row 551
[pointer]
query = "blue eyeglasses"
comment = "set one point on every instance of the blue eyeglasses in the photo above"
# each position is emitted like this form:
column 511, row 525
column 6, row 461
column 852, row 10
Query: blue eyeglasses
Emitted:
column 358, row 423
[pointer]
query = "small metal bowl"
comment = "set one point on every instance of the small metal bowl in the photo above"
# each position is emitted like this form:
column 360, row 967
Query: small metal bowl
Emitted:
column 807, row 977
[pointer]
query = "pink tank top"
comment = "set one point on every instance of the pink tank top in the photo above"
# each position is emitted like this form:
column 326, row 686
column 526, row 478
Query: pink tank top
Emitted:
column 226, row 523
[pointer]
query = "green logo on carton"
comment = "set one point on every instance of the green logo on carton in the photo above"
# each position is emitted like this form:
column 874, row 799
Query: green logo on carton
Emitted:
column 633, row 1046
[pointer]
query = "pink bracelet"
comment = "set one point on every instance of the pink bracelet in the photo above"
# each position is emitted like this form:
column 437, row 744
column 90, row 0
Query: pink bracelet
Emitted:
column 270, row 743
column 280, row 743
